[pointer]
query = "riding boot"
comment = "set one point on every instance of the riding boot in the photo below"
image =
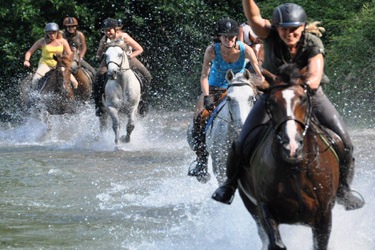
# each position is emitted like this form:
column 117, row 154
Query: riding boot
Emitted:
column 225, row 193
column 199, row 146
column 345, row 195
column 98, row 91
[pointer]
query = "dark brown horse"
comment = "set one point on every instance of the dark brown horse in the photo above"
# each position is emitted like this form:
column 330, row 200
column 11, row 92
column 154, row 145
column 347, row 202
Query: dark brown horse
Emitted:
column 292, row 177
column 84, row 74
column 56, row 90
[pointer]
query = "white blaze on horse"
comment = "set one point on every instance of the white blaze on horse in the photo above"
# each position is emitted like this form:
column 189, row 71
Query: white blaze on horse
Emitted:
column 122, row 91
column 227, row 120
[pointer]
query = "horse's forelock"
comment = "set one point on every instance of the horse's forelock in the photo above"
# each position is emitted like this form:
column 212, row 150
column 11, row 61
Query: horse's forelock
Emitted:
column 290, row 74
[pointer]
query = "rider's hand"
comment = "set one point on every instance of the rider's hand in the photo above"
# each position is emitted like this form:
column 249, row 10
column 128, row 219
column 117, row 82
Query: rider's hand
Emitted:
column 26, row 63
column 208, row 103
column 310, row 90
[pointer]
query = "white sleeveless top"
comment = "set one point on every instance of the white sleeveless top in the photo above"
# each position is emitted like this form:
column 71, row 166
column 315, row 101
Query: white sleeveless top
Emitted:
column 246, row 31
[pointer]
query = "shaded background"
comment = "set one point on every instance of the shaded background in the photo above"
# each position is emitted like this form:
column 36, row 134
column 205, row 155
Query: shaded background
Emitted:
column 174, row 35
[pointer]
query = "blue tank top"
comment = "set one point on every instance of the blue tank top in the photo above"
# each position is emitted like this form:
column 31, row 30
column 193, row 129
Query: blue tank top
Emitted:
column 219, row 67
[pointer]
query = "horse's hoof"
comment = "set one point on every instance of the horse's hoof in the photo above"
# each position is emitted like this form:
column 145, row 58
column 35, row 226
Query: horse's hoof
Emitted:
column 204, row 178
column 125, row 139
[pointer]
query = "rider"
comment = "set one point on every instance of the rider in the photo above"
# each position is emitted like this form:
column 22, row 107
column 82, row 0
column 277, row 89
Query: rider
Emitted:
column 52, row 43
column 112, row 30
column 285, row 41
column 77, row 43
column 247, row 36
column 219, row 57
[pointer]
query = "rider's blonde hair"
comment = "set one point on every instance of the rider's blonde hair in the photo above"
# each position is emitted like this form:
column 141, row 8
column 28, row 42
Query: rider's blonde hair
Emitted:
column 315, row 29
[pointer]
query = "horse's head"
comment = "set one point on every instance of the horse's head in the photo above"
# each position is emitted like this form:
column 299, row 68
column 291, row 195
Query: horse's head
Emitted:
column 116, row 58
column 60, row 76
column 240, row 95
column 288, row 105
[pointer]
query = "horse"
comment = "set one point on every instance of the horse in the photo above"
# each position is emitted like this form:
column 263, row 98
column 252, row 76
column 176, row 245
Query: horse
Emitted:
column 85, row 75
column 122, row 90
column 54, row 91
column 293, row 174
column 226, row 121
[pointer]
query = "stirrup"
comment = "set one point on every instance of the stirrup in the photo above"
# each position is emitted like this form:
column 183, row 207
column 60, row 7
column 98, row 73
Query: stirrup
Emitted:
column 346, row 202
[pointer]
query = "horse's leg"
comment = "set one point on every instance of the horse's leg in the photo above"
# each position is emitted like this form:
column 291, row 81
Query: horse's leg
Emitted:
column 85, row 86
column 103, row 121
column 131, row 124
column 322, row 231
column 271, row 227
column 113, row 112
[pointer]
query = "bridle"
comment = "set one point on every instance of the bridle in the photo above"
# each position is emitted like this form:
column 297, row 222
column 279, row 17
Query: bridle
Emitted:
column 119, row 65
column 237, row 84
column 305, row 124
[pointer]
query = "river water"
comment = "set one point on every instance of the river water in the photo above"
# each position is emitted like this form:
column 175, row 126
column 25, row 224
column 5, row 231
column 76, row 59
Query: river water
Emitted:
column 67, row 188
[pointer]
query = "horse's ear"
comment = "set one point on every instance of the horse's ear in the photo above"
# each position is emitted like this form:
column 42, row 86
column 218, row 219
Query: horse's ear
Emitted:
column 229, row 75
column 55, row 57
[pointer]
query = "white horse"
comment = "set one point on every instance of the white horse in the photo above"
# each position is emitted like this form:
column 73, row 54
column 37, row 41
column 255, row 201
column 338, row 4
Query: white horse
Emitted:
column 122, row 90
column 227, row 120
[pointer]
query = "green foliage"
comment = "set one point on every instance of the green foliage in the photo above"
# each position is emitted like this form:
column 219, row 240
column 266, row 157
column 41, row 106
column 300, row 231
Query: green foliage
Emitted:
column 174, row 35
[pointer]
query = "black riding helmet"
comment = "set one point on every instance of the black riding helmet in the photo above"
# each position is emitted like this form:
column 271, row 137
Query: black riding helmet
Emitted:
column 109, row 23
column 289, row 15
column 226, row 27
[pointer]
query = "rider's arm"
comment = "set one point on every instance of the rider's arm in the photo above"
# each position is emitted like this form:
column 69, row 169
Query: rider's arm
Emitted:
column 100, row 50
column 136, row 47
column 67, row 49
column 30, row 52
column 260, row 26
column 83, row 48
column 209, row 55
column 249, row 54
column 315, row 71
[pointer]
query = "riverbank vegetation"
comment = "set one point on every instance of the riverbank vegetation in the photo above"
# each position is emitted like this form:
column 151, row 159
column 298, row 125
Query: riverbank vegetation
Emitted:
column 175, row 34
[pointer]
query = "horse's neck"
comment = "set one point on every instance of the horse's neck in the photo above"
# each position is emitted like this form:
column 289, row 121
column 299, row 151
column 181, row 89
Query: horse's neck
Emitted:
column 125, row 65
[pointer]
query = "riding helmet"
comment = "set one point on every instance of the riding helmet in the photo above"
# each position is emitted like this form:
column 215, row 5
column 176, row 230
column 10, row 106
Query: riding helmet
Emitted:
column 51, row 27
column 110, row 23
column 289, row 15
column 70, row 21
column 227, row 27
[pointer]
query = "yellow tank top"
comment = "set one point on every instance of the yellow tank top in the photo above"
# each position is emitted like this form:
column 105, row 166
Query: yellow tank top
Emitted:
column 47, row 54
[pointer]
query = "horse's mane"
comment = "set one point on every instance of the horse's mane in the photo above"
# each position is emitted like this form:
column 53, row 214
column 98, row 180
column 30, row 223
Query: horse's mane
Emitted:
column 63, row 60
column 287, row 74
column 314, row 29
column 290, row 74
